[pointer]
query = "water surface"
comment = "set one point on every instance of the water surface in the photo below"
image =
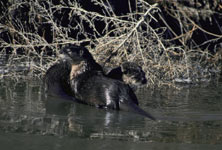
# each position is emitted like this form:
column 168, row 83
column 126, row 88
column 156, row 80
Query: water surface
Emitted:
column 190, row 118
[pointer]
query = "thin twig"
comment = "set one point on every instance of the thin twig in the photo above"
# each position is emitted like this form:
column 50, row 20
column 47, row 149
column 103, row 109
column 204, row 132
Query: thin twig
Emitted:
column 131, row 32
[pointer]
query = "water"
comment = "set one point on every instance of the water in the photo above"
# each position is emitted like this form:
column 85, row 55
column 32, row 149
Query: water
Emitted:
column 188, row 119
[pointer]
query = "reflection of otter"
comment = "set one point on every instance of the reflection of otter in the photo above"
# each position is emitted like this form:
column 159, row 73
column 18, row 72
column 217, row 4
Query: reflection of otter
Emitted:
column 90, row 86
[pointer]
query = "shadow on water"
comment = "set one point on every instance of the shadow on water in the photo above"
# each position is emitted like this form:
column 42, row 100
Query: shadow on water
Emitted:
column 188, row 119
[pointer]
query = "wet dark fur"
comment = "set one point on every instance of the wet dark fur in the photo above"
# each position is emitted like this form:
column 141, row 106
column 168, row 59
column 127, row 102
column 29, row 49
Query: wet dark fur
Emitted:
column 56, row 79
column 93, row 88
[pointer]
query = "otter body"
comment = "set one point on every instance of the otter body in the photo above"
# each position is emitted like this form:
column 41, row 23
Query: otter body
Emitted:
column 96, row 89
column 57, row 79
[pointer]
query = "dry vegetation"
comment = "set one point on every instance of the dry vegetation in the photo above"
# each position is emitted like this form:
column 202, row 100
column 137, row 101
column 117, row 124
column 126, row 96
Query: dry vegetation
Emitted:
column 132, row 39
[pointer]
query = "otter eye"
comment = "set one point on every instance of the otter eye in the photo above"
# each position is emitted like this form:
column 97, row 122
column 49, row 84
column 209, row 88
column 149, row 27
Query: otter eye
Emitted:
column 121, row 100
column 81, row 52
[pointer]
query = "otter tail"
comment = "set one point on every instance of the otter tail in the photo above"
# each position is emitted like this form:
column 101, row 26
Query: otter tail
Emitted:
column 135, row 108
column 140, row 111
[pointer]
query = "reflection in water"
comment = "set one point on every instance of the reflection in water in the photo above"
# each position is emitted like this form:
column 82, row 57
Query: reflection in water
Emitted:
column 188, row 116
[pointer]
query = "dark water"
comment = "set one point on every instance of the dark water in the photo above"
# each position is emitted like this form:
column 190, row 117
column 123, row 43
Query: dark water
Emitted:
column 188, row 119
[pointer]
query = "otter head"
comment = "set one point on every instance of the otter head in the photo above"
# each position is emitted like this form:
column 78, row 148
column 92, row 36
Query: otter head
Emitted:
column 75, row 54
column 132, row 73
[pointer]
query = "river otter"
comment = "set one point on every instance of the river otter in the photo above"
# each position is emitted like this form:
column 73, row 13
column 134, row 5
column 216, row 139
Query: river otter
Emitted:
column 90, row 86
column 128, row 72
column 57, row 76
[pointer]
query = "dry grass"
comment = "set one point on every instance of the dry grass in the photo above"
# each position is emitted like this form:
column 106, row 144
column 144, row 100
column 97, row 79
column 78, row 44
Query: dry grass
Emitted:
column 133, row 39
